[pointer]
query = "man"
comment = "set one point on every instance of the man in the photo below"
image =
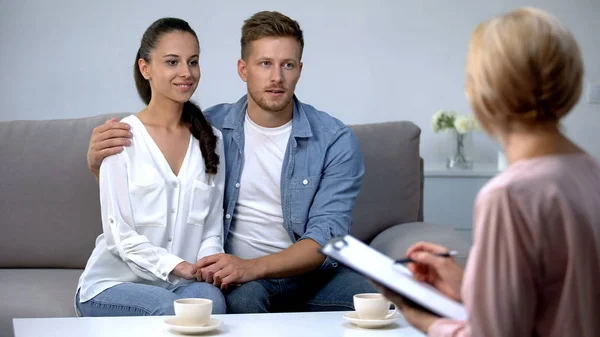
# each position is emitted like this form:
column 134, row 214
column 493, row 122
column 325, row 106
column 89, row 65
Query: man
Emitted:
column 293, row 175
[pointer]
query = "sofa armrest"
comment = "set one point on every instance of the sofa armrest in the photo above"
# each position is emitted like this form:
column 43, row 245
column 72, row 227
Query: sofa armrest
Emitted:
column 395, row 240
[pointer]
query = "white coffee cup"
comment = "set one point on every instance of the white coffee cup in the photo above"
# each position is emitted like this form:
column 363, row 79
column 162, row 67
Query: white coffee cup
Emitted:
column 372, row 306
column 193, row 311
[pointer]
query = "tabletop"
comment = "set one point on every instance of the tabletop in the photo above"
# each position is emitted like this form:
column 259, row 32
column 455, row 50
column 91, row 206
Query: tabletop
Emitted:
column 328, row 324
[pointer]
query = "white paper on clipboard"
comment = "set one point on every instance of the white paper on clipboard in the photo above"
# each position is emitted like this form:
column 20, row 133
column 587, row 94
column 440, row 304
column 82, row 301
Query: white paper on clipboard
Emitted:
column 374, row 265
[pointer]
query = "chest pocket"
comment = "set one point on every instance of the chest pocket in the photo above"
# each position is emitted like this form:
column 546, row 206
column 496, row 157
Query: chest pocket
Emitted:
column 302, row 193
column 149, row 199
column 200, row 199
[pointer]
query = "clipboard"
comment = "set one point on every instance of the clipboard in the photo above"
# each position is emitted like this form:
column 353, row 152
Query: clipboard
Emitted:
column 374, row 265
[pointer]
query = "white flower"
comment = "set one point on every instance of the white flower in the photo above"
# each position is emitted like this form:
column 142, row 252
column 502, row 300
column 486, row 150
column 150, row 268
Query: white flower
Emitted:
column 436, row 116
column 435, row 121
column 463, row 124
column 443, row 120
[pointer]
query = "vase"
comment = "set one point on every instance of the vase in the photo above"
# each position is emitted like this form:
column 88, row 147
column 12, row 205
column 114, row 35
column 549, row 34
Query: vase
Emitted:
column 458, row 158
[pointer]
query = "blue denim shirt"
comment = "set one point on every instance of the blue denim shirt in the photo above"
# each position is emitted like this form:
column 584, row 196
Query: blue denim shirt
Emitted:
column 321, row 174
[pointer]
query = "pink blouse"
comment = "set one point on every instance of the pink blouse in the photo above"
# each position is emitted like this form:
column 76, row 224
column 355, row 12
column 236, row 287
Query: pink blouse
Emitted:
column 534, row 269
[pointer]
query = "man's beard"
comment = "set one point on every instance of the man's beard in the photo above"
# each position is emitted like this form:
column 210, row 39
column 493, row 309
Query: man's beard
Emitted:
column 263, row 104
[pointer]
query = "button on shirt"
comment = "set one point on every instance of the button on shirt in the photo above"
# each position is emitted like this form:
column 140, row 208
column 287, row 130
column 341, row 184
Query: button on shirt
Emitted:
column 321, row 174
column 153, row 220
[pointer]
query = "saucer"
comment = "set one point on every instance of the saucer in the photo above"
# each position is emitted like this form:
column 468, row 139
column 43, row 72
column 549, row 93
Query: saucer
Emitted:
column 370, row 323
column 174, row 324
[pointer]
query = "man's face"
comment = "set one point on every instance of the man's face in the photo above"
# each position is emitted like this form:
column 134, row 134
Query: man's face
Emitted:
column 271, row 70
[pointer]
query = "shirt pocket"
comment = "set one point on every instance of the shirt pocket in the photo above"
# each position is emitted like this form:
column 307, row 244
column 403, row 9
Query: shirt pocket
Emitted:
column 149, row 201
column 302, row 193
column 200, row 200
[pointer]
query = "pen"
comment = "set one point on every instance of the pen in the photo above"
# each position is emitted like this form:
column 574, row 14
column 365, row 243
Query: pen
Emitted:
column 448, row 254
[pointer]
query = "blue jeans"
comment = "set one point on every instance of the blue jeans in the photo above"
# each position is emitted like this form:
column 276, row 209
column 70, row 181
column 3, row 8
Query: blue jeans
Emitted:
column 134, row 299
column 330, row 290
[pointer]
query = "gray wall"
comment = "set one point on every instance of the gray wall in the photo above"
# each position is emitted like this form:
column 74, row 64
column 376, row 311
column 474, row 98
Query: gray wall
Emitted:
column 365, row 60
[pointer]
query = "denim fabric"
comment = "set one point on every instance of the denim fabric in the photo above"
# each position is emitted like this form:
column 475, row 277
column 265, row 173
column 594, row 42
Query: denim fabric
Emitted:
column 135, row 299
column 320, row 178
column 328, row 290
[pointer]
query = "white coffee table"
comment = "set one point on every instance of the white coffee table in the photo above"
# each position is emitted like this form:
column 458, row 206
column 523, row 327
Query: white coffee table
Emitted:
column 328, row 324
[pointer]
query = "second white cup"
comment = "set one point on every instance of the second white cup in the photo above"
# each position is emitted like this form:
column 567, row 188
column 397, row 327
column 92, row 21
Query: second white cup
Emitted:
column 372, row 306
column 193, row 311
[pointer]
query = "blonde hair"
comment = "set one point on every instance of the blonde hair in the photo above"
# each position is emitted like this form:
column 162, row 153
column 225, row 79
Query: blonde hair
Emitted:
column 523, row 67
column 269, row 24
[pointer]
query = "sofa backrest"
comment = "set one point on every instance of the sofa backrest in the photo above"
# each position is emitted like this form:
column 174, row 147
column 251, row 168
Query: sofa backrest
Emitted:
column 392, row 189
column 49, row 200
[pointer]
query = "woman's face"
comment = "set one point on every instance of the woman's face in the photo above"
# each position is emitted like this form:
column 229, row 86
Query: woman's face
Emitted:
column 173, row 70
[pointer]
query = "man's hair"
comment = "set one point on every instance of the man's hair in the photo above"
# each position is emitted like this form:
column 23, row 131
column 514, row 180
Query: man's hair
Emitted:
column 269, row 24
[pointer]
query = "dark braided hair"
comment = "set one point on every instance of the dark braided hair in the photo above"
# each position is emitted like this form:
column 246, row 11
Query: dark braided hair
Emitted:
column 191, row 115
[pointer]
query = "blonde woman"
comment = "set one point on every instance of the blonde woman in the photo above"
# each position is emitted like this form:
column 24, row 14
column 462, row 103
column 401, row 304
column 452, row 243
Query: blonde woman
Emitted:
column 534, row 269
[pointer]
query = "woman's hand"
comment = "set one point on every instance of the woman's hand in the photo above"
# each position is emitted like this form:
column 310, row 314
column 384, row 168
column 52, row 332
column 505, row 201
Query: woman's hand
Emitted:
column 185, row 270
column 441, row 272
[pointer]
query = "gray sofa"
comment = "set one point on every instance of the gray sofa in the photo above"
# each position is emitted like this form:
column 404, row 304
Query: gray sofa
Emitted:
column 50, row 210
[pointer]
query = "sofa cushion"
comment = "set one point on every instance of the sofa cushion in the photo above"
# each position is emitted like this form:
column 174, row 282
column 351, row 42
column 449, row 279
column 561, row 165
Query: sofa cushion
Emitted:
column 48, row 198
column 30, row 293
column 391, row 189
column 396, row 240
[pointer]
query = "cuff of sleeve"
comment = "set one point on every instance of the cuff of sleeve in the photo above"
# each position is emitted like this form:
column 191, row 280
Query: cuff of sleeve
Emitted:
column 166, row 264
column 320, row 236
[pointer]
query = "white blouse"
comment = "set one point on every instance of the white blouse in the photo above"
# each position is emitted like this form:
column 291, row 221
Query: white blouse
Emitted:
column 152, row 219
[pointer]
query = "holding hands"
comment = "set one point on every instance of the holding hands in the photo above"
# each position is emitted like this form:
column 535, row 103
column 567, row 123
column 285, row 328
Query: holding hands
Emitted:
column 185, row 270
column 223, row 270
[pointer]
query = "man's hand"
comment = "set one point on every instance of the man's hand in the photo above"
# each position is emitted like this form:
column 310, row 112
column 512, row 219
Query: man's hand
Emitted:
column 223, row 270
column 441, row 272
column 418, row 318
column 185, row 270
column 107, row 139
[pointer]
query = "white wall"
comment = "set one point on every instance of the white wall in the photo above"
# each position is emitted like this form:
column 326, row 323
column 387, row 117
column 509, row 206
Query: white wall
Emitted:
column 365, row 60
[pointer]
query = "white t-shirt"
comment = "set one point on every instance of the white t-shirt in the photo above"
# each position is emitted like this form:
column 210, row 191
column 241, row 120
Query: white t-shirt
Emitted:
column 257, row 229
column 152, row 220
